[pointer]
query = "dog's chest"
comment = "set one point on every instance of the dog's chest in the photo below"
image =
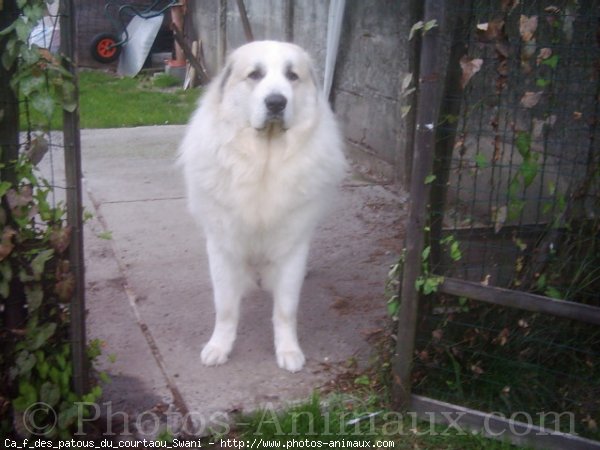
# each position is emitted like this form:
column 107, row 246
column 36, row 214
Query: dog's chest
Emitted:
column 264, row 189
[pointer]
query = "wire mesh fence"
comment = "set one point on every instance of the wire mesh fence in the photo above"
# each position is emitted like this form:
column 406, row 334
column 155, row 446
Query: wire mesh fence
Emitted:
column 515, row 204
column 42, row 324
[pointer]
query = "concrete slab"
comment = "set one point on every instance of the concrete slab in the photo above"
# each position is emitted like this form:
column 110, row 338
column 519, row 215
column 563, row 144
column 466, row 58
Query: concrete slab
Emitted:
column 150, row 298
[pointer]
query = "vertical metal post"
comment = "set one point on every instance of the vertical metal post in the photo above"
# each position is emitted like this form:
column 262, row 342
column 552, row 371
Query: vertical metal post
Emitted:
column 222, row 34
column 422, row 164
column 74, row 206
column 288, row 20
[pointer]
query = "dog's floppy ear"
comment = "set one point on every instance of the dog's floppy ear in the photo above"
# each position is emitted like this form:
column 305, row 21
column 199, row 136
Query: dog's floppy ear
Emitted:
column 224, row 77
column 313, row 77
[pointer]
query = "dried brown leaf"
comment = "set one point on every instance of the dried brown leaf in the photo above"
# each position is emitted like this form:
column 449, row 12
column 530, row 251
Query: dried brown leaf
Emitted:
column 530, row 99
column 65, row 285
column 552, row 9
column 6, row 245
column 60, row 237
column 19, row 198
column 543, row 54
column 476, row 369
column 491, row 31
column 469, row 68
column 37, row 149
column 509, row 5
column 527, row 27
column 502, row 50
column 502, row 337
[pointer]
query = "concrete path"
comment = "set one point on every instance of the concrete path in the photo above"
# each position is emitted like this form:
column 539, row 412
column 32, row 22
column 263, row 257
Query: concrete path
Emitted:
column 149, row 298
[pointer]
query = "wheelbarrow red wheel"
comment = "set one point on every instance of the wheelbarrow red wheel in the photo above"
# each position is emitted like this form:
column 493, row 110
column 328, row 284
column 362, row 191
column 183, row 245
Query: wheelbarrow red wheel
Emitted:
column 104, row 48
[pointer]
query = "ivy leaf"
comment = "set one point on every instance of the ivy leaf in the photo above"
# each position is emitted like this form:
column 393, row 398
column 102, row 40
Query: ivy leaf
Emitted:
column 49, row 393
column 552, row 61
column 481, row 161
column 393, row 306
column 529, row 169
column 27, row 396
column 42, row 368
column 69, row 99
column 455, row 252
column 39, row 262
column 417, row 26
column 29, row 85
column 23, row 29
column 42, row 334
column 11, row 51
column 67, row 417
column 552, row 292
column 523, row 143
column 7, row 274
column 362, row 380
column 34, row 295
column 426, row 253
column 24, row 362
column 43, row 103
column 430, row 25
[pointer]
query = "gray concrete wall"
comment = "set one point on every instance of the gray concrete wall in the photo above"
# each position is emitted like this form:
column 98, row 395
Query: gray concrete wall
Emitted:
column 372, row 61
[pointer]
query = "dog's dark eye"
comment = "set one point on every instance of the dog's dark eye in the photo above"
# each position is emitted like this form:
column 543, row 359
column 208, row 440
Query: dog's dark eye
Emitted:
column 291, row 75
column 256, row 75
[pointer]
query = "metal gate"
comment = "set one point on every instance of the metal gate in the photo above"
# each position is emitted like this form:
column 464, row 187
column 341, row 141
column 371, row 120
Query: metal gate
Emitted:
column 500, row 292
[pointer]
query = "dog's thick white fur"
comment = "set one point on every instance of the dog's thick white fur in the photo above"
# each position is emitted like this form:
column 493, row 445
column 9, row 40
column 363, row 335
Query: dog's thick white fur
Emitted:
column 262, row 158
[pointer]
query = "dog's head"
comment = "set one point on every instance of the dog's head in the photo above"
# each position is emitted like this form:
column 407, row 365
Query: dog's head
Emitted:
column 268, row 85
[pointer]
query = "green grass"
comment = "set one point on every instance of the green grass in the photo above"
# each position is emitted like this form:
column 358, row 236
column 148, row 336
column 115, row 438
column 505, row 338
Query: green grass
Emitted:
column 351, row 421
column 109, row 101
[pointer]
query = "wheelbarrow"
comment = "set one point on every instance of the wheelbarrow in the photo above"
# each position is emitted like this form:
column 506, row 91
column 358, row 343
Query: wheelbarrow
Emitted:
column 106, row 47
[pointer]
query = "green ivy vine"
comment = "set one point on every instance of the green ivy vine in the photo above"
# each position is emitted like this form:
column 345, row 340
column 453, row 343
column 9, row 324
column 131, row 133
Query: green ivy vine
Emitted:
column 36, row 281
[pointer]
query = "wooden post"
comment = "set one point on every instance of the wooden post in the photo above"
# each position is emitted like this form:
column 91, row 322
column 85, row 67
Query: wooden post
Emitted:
column 245, row 21
column 446, row 132
column 14, row 312
column 74, row 206
column 422, row 164
column 194, row 62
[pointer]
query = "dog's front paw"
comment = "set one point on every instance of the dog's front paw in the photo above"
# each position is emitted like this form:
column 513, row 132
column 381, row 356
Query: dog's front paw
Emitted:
column 213, row 355
column 292, row 360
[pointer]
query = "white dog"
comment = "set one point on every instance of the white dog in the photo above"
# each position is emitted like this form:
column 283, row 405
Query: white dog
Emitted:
column 262, row 157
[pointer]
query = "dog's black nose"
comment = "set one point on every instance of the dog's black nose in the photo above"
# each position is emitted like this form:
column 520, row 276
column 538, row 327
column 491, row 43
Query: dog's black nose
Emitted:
column 275, row 103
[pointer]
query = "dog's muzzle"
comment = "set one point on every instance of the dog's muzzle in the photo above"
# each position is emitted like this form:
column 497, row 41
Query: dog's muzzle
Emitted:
column 275, row 104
